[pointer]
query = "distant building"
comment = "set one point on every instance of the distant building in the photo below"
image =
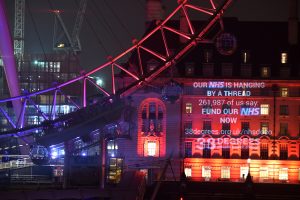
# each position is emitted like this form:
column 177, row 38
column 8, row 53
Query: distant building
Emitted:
column 39, row 72
column 238, row 112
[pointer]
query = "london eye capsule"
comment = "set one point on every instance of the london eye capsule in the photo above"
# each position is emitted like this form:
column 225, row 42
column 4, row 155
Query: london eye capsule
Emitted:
column 171, row 92
column 39, row 155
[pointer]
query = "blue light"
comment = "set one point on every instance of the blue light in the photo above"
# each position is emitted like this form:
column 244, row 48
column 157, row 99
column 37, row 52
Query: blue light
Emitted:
column 54, row 153
column 83, row 154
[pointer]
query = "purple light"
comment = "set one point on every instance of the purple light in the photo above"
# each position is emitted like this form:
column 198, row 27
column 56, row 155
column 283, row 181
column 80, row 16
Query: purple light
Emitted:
column 6, row 50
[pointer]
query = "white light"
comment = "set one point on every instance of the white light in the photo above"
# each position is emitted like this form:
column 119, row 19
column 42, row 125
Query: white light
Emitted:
column 54, row 154
column 99, row 81
column 83, row 154
column 36, row 62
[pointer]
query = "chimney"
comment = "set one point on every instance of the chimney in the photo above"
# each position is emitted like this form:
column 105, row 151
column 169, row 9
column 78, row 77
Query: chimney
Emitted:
column 293, row 22
column 154, row 11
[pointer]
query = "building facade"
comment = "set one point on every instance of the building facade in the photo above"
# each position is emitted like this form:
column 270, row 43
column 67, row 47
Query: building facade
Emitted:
column 238, row 112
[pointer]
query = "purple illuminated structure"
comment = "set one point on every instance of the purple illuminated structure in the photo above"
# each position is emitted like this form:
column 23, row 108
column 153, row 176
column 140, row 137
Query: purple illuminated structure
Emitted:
column 6, row 50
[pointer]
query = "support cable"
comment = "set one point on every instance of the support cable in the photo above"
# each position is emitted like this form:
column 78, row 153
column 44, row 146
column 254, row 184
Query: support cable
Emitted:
column 106, row 23
column 35, row 29
column 118, row 19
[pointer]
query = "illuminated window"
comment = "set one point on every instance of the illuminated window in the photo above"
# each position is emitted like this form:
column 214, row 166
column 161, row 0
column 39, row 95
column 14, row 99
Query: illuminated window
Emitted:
column 225, row 172
column 264, row 151
column 265, row 72
column 283, row 174
column 264, row 109
column 283, row 152
column 188, row 149
column 244, row 172
column 284, row 92
column 151, row 148
column 206, row 172
column 115, row 168
column 112, row 148
column 284, row 110
column 245, row 57
column 188, row 171
column 283, row 128
column 284, row 58
column 188, row 108
column 264, row 128
column 263, row 173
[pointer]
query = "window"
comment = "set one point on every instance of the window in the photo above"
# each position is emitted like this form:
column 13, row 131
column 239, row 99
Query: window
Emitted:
column 245, row 57
column 188, row 171
column 188, row 127
column 283, row 174
column 265, row 72
column 188, row 149
column 284, row 110
column 244, row 172
column 207, row 109
column 188, row 108
column 264, row 128
column 208, row 69
column 152, row 114
column 264, row 151
column 208, row 54
column 283, row 128
column 245, row 126
column 227, row 69
column 246, row 70
column 264, row 109
column 263, row 173
column 115, row 170
column 226, row 149
column 206, row 172
column 151, row 148
column 244, row 150
column 283, row 152
column 206, row 150
column 225, row 172
column 284, row 92
column 206, row 127
column 226, row 109
column 226, row 128
column 284, row 58
column 112, row 148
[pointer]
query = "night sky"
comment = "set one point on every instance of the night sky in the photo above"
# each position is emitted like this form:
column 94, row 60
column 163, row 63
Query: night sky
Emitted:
column 109, row 36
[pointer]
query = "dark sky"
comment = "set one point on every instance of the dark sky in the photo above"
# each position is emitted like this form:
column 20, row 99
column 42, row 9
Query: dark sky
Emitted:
column 107, row 31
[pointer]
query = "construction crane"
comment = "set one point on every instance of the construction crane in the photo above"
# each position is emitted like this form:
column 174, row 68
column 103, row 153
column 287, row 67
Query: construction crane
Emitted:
column 72, row 42
column 19, row 29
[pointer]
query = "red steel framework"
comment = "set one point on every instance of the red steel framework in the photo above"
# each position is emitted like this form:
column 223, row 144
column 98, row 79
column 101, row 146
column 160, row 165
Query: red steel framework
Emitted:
column 213, row 9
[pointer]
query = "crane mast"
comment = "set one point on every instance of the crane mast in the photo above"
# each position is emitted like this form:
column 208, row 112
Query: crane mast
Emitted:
column 19, row 29
column 73, row 42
